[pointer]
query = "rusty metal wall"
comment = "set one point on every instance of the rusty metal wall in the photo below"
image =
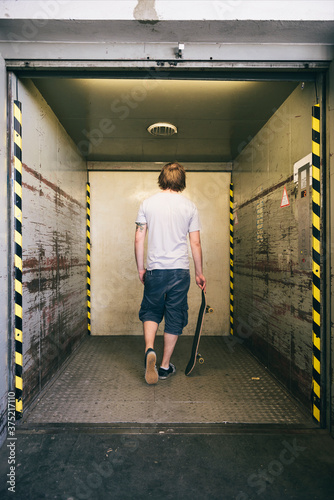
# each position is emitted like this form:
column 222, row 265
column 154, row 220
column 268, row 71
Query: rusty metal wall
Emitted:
column 116, row 291
column 273, row 295
column 54, row 226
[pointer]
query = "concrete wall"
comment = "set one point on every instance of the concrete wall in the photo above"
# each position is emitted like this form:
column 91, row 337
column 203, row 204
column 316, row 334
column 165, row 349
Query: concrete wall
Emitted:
column 169, row 10
column 116, row 291
column 330, row 245
column 54, row 227
column 273, row 279
column 3, row 256
column 221, row 30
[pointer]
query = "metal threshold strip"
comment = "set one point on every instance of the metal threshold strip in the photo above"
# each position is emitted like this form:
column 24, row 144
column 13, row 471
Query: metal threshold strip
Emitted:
column 167, row 429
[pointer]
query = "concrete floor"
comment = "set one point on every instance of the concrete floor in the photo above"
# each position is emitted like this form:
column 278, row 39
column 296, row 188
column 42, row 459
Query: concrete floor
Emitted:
column 165, row 464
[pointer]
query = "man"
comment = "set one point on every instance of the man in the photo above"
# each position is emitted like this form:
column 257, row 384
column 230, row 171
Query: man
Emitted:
column 168, row 217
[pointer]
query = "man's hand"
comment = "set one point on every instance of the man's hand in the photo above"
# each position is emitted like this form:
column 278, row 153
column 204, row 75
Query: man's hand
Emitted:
column 201, row 282
column 142, row 276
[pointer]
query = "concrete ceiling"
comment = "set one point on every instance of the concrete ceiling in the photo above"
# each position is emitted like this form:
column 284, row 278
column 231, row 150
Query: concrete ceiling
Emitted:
column 154, row 31
column 107, row 118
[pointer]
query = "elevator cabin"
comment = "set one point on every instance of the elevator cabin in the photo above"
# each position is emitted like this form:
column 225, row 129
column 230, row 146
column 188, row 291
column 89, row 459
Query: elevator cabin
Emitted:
column 246, row 146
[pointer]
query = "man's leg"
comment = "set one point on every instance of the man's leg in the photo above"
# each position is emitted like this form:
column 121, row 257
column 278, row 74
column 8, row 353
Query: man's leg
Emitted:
column 151, row 372
column 150, row 330
column 169, row 344
column 176, row 313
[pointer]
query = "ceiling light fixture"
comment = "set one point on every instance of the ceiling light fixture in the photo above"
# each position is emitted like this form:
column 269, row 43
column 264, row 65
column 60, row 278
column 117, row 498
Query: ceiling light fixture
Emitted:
column 162, row 129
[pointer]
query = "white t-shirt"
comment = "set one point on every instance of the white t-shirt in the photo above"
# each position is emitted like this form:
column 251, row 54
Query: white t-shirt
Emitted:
column 169, row 216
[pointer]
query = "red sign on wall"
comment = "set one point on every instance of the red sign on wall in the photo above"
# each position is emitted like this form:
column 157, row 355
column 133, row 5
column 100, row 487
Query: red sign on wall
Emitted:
column 285, row 199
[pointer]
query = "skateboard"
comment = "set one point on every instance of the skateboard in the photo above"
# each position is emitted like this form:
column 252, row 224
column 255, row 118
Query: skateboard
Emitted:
column 194, row 350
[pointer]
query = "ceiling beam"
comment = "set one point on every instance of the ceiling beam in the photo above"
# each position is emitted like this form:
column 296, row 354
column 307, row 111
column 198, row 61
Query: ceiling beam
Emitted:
column 117, row 166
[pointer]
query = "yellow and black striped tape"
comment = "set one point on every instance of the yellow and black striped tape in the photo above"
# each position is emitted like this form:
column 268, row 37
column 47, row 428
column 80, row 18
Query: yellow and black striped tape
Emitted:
column 316, row 282
column 231, row 259
column 88, row 255
column 18, row 257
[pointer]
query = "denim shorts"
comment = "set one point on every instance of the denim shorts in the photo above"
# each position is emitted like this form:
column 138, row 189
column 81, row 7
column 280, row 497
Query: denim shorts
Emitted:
column 165, row 295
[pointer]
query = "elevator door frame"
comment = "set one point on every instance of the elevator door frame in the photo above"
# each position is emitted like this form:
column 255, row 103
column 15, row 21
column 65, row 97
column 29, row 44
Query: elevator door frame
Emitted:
column 275, row 71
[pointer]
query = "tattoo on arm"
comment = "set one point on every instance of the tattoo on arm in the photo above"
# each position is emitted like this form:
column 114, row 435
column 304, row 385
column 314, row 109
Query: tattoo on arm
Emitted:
column 140, row 226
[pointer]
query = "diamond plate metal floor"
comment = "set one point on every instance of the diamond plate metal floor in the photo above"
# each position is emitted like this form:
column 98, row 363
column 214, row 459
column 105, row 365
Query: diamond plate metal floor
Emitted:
column 104, row 383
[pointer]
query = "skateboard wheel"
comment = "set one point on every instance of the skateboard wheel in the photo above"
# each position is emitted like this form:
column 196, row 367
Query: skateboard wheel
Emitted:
column 200, row 359
column 209, row 309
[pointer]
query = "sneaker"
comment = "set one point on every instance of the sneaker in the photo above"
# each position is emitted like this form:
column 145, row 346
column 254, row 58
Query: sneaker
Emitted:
column 163, row 373
column 151, row 372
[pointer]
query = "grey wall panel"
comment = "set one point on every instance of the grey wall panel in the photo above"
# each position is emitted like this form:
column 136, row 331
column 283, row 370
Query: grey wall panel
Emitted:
column 54, row 226
column 116, row 291
column 273, row 294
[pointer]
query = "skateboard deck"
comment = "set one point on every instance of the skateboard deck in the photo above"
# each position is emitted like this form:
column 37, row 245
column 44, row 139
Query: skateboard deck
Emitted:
column 194, row 350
